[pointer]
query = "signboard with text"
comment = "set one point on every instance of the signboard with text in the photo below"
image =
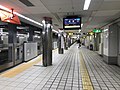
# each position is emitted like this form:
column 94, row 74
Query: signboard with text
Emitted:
column 9, row 17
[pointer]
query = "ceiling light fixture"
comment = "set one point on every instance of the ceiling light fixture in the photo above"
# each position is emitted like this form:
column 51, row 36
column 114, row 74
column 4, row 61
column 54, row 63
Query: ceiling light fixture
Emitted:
column 20, row 15
column 55, row 31
column 86, row 4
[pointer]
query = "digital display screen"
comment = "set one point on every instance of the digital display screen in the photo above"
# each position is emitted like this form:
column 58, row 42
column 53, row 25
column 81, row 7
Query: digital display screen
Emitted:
column 72, row 23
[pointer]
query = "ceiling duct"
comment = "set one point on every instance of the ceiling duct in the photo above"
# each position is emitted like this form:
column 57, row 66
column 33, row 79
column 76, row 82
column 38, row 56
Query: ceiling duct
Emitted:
column 27, row 3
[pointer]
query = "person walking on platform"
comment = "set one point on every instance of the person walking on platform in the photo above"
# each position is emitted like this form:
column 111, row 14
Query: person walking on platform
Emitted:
column 79, row 43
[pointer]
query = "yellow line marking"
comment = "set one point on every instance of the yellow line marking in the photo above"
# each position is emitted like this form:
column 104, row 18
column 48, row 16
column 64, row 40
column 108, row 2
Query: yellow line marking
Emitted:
column 15, row 71
column 22, row 67
column 87, row 84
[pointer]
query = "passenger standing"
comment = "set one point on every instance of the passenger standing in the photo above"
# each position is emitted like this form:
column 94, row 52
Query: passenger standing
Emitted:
column 79, row 43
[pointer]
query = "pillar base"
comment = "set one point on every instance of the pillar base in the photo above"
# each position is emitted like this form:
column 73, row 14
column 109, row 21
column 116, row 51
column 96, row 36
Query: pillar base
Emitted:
column 66, row 48
column 61, row 51
column 111, row 60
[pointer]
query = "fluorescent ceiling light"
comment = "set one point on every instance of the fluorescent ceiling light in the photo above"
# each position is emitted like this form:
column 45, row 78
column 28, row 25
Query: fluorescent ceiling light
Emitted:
column 74, row 37
column 31, row 20
column 55, row 31
column 20, row 15
column 86, row 4
column 105, row 30
column 37, row 31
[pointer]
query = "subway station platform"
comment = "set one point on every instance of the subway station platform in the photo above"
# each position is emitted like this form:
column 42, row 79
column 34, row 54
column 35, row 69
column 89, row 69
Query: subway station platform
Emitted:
column 76, row 69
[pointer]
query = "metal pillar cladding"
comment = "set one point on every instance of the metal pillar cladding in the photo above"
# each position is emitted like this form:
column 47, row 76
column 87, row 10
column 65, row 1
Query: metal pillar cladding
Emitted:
column 60, row 43
column 47, row 41
column 1, row 31
column 69, row 41
column 31, row 34
column 12, row 42
column 66, row 43
column 96, row 41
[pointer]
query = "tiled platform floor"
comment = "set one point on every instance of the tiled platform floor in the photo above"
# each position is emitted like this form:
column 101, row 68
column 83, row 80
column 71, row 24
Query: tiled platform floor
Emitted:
column 76, row 69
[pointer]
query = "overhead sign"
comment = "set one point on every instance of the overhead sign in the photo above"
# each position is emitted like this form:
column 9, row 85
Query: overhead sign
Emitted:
column 97, row 30
column 72, row 23
column 9, row 17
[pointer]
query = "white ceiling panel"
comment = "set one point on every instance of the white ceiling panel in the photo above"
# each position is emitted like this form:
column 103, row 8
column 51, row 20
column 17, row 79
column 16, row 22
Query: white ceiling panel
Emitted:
column 110, row 5
column 111, row 0
column 57, row 5
column 107, row 13
column 64, row 5
column 64, row 8
column 56, row 2
column 17, row 6
column 95, row 4
column 78, row 5
column 38, row 8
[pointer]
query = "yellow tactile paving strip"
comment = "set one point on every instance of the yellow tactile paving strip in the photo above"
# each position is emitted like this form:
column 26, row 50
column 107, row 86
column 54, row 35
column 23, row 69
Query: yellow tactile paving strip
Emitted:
column 15, row 71
column 87, row 84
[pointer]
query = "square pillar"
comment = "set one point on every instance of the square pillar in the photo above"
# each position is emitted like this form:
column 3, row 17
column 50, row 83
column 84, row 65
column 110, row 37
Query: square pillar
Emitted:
column 110, row 44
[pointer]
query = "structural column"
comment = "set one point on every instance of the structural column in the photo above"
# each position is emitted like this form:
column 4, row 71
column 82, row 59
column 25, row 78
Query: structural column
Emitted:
column 47, row 41
column 66, row 43
column 1, row 31
column 60, row 43
column 12, row 42
column 110, row 44
column 69, row 41
column 31, row 34
column 96, row 41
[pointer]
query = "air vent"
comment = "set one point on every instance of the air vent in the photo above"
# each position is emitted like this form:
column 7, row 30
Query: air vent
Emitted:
column 27, row 3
